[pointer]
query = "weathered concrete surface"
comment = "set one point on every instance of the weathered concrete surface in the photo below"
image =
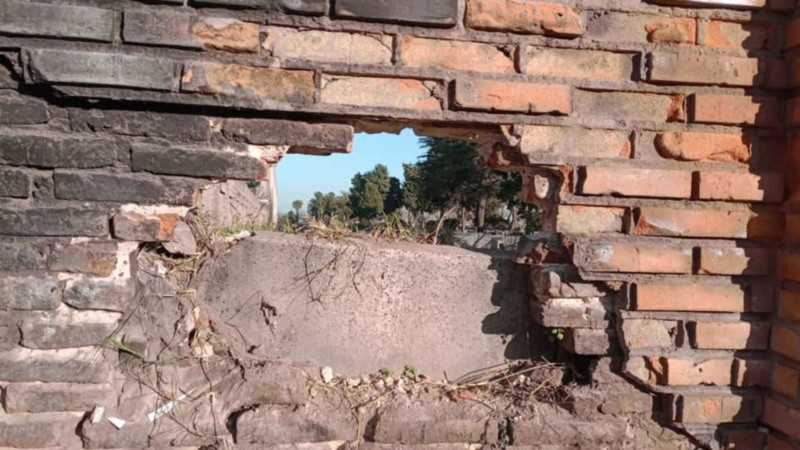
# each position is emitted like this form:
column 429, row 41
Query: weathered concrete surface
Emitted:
column 360, row 305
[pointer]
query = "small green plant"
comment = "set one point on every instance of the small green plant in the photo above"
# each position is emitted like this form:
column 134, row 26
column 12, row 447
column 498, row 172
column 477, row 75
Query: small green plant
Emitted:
column 410, row 371
column 555, row 334
column 254, row 185
column 386, row 372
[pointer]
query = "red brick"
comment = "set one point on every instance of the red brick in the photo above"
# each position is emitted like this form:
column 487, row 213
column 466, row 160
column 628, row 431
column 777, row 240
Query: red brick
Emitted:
column 729, row 335
column 380, row 92
column 513, row 96
column 789, row 306
column 792, row 33
column 776, row 442
column 630, row 105
column 786, row 380
column 691, row 297
column 699, row 146
column 691, row 68
column 743, row 439
column 737, row 35
column 789, row 265
column 267, row 83
column 620, row 257
column 776, row 74
column 520, row 16
column 454, row 55
column 734, row 110
column 751, row 372
column 793, row 67
column 685, row 372
column 734, row 261
column 145, row 228
column 626, row 27
column 793, row 111
column 579, row 64
column 658, row 221
column 732, row 186
column 786, row 342
column 781, row 417
column 627, row 182
column 671, row 31
column 697, row 408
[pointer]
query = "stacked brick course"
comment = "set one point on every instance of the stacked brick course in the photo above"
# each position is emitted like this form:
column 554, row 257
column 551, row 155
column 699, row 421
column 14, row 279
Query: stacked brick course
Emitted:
column 650, row 133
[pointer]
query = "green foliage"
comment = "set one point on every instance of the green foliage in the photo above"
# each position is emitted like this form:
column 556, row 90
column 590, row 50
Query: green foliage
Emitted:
column 327, row 207
column 368, row 193
column 394, row 196
column 410, row 371
column 555, row 334
column 386, row 372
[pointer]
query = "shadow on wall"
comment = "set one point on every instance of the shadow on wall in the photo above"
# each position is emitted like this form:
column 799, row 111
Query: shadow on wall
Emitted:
column 360, row 306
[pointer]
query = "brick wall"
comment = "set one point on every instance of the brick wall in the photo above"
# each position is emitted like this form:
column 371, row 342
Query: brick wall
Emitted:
column 650, row 133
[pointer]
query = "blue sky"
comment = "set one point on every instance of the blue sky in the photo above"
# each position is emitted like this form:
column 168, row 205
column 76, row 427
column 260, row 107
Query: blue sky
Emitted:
column 299, row 176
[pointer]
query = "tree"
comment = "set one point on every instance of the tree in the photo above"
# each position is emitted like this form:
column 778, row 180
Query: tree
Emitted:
column 394, row 197
column 368, row 193
column 324, row 207
column 297, row 205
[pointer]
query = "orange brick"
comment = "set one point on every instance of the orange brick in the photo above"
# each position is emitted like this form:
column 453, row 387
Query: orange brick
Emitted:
column 520, row 16
column 513, row 96
column 656, row 221
column 671, row 31
column 579, row 64
column 729, row 335
column 627, row 182
column 380, row 92
column 740, row 186
column 589, row 219
column 781, row 417
column 789, row 306
column 454, row 55
column 630, row 105
column 693, row 68
column 734, row 261
column 619, row 257
column 751, row 372
column 786, row 341
column 786, row 380
column 734, row 109
column 697, row 146
column 685, row 372
column 691, row 297
column 696, row 408
column 325, row 46
column 748, row 36
column 267, row 83
column 765, row 225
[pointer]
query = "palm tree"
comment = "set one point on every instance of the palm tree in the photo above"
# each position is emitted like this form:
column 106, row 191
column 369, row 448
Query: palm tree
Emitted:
column 297, row 205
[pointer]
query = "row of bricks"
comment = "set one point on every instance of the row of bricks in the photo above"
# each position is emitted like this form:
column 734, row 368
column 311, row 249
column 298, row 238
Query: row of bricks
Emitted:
column 117, row 69
column 678, row 221
column 676, row 184
column 193, row 31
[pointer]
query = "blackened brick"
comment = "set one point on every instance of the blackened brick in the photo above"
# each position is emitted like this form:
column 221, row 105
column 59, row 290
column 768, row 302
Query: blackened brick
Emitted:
column 54, row 397
column 94, row 258
column 422, row 12
column 140, row 188
column 62, row 21
column 183, row 127
column 49, row 66
column 52, row 222
column 75, row 365
column 103, row 295
column 29, row 293
column 303, row 137
column 14, row 183
column 196, row 162
column 22, row 111
column 310, row 7
column 20, row 256
column 52, row 151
